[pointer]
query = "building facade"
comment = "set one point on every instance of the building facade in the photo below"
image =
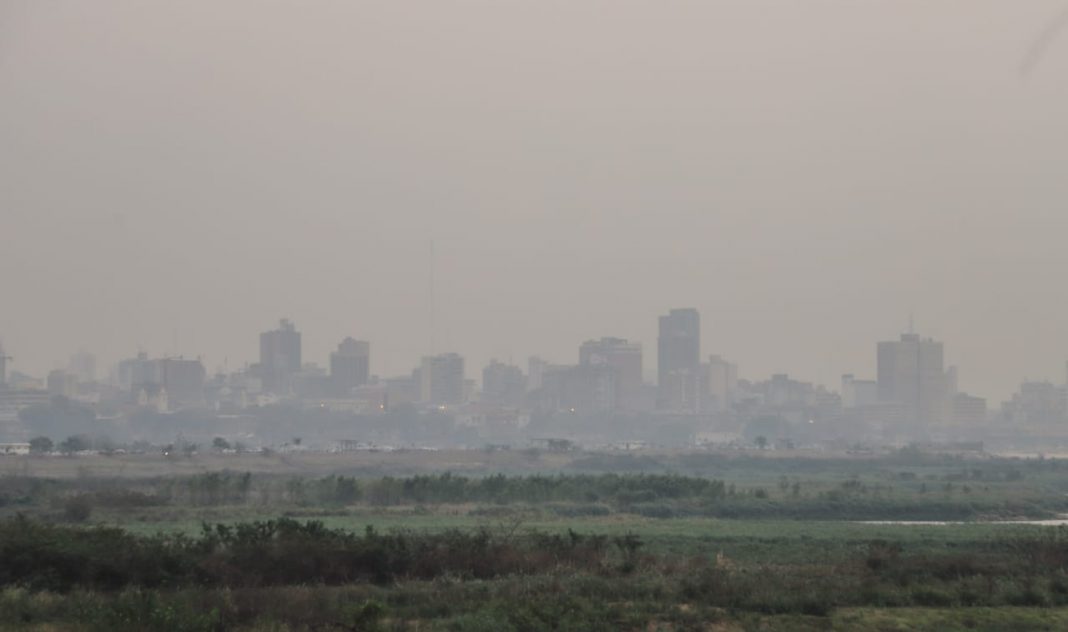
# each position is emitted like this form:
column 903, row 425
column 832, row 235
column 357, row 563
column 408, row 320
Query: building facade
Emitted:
column 679, row 360
column 622, row 362
column 183, row 380
column 3, row 367
column 719, row 382
column 350, row 366
column 442, row 380
column 911, row 374
column 280, row 357
column 503, row 385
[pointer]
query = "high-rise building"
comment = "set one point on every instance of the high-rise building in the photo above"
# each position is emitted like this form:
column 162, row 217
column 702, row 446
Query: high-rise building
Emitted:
column 679, row 360
column 719, row 382
column 350, row 366
column 535, row 369
column 1041, row 403
column 62, row 384
column 402, row 391
column 577, row 389
column 3, row 366
column 135, row 372
column 442, row 380
column 969, row 411
column 503, row 385
column 911, row 374
column 280, row 357
column 622, row 361
column 859, row 393
column 183, row 381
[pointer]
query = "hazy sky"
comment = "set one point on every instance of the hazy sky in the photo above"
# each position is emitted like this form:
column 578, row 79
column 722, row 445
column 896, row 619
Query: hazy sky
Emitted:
column 177, row 176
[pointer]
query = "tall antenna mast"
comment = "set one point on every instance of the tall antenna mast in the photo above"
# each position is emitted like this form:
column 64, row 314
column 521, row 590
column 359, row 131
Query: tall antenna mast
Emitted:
column 432, row 264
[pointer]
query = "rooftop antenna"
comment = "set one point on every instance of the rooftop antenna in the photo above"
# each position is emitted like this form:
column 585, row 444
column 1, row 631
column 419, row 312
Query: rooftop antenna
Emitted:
column 912, row 324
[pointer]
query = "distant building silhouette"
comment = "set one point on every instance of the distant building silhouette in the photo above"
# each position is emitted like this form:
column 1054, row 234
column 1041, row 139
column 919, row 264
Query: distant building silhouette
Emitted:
column 577, row 389
column 859, row 393
column 183, row 381
column 402, row 391
column 280, row 357
column 3, row 366
column 535, row 370
column 1038, row 403
column 503, row 385
column 139, row 370
column 719, row 382
column 83, row 366
column 969, row 411
column 622, row 362
column 62, row 384
column 350, row 366
column 679, row 360
column 911, row 374
column 442, row 380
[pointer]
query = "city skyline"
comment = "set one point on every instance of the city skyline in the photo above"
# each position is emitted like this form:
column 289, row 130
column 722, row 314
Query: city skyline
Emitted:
column 287, row 338
column 782, row 184
column 697, row 396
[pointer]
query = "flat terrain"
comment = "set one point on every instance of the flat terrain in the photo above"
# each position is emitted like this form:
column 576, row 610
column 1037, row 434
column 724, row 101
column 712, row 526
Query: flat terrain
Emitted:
column 295, row 463
column 533, row 540
column 394, row 462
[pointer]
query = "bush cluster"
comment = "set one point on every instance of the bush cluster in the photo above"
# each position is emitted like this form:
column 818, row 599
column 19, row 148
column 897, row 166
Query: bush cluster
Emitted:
column 282, row 552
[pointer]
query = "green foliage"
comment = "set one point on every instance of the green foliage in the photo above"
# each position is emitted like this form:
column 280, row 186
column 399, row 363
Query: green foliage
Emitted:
column 622, row 490
column 75, row 443
column 77, row 508
column 52, row 557
column 302, row 575
column 276, row 552
column 40, row 445
column 561, row 551
column 888, row 496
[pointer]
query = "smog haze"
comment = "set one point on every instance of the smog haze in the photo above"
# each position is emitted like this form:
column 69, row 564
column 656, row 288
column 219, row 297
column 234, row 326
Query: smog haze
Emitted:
column 177, row 177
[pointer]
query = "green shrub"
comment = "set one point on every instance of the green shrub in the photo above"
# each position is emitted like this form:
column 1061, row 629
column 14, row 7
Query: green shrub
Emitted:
column 78, row 508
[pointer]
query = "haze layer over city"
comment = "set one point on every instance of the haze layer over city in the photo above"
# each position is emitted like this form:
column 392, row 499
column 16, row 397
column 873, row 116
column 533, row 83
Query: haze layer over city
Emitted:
column 807, row 175
column 441, row 178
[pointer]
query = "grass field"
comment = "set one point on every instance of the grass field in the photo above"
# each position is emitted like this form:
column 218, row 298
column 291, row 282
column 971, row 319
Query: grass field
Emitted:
column 669, row 541
column 407, row 462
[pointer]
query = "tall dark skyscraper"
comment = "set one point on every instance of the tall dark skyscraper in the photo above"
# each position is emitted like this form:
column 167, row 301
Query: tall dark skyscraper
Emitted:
column 350, row 366
column 679, row 360
column 280, row 357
